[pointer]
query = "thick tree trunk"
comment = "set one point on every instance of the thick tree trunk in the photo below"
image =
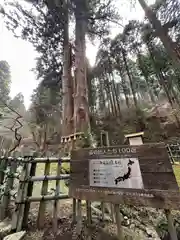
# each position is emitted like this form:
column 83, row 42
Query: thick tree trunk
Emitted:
column 81, row 108
column 161, row 33
column 67, row 83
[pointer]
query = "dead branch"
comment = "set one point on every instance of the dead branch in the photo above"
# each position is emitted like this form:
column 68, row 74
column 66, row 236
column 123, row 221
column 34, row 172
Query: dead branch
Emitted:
column 17, row 135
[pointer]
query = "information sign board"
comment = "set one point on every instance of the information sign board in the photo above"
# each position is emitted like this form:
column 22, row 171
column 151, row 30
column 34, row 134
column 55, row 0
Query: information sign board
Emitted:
column 136, row 175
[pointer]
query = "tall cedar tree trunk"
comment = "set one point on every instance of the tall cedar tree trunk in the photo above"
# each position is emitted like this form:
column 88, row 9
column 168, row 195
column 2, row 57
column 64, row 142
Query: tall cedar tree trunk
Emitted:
column 162, row 33
column 67, row 82
column 109, row 95
column 81, row 108
column 130, row 79
column 101, row 96
column 114, row 92
column 124, row 86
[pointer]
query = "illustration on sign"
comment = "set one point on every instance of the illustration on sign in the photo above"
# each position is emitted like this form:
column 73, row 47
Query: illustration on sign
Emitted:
column 115, row 173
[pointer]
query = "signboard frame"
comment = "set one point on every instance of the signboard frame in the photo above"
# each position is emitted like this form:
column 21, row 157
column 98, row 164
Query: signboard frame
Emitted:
column 160, row 186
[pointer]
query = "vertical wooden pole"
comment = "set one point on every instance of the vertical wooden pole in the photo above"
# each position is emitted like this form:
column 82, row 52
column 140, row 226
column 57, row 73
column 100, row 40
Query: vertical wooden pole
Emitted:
column 103, row 143
column 79, row 217
column 18, row 216
column 102, row 210
column 112, row 212
column 55, row 210
column 74, row 200
column 74, row 210
column 171, row 228
column 42, row 207
column 8, row 187
column 88, row 212
column 29, row 193
column 89, row 218
column 3, row 168
column 118, row 222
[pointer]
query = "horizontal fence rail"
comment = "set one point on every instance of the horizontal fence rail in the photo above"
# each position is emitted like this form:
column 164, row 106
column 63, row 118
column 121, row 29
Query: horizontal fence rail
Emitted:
column 43, row 198
column 37, row 160
column 49, row 178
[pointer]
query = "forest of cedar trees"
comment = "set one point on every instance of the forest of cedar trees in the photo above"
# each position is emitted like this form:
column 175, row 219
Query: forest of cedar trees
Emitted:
column 133, row 84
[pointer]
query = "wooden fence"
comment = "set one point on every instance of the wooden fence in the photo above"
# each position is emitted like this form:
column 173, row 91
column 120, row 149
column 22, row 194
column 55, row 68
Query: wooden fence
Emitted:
column 23, row 195
column 174, row 152
column 22, row 172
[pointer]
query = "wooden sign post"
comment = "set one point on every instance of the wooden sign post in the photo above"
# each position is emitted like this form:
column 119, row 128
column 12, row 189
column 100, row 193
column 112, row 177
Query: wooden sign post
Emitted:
column 131, row 175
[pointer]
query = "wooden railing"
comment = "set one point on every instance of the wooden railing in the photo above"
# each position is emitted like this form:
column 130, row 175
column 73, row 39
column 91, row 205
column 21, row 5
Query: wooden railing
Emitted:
column 23, row 194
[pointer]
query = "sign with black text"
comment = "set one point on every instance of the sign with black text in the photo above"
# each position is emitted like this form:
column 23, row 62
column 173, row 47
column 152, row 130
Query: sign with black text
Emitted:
column 135, row 175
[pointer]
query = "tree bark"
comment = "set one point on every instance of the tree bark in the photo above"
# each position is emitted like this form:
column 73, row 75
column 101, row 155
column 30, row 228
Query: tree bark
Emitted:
column 67, row 83
column 81, row 108
column 114, row 92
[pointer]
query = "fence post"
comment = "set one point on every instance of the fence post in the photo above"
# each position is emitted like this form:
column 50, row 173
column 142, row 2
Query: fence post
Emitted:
column 18, row 216
column 29, row 193
column 3, row 165
column 74, row 210
column 56, row 201
column 79, row 217
column 3, row 168
column 170, row 153
column 44, row 190
column 8, row 187
column 118, row 222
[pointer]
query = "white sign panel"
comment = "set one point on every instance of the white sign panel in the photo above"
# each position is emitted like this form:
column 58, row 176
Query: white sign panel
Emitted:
column 115, row 173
